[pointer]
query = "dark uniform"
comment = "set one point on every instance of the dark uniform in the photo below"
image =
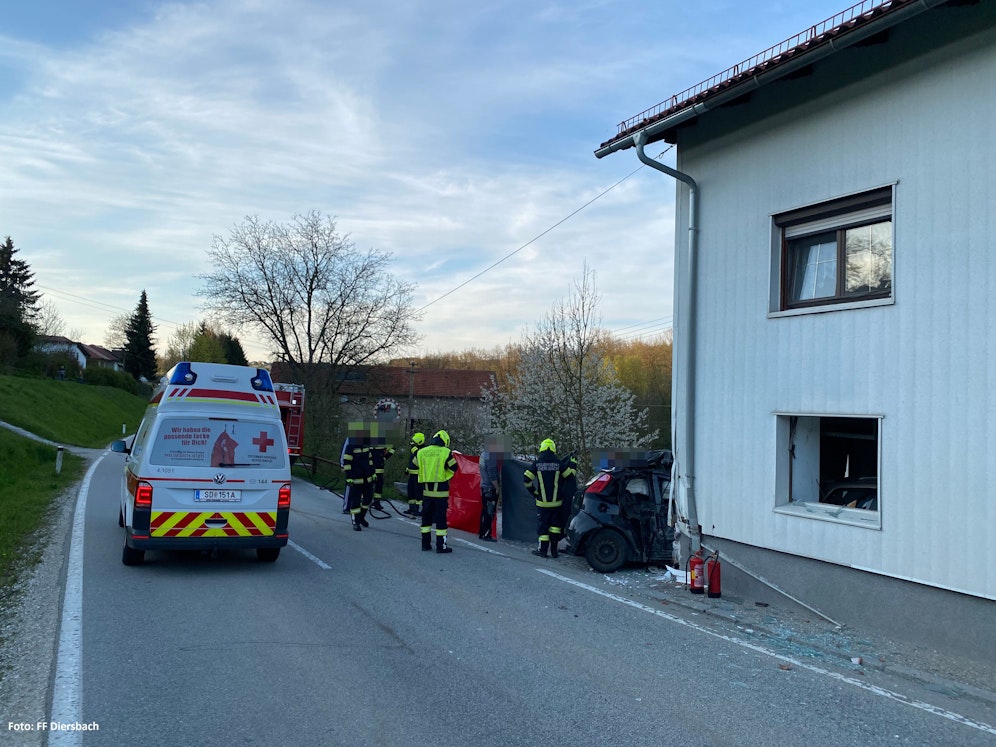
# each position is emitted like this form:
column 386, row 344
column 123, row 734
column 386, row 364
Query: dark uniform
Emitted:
column 545, row 479
column 436, row 467
column 358, row 468
column 382, row 451
column 490, row 464
column 414, row 486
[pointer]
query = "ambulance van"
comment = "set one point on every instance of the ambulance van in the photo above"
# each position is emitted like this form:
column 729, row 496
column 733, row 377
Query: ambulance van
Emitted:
column 208, row 468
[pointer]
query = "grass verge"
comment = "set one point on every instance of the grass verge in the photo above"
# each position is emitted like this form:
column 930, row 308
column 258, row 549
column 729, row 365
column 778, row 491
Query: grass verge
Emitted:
column 28, row 486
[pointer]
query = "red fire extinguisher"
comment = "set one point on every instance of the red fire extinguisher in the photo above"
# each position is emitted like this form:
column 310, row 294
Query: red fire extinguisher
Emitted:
column 712, row 572
column 696, row 578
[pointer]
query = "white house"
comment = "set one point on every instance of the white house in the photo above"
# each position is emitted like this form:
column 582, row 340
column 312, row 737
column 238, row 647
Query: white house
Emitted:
column 835, row 309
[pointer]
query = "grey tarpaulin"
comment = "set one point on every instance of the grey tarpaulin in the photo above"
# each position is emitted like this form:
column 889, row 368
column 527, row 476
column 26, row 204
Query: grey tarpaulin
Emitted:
column 518, row 507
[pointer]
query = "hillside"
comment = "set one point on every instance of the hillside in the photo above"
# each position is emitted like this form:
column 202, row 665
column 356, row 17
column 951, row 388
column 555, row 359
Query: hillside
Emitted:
column 67, row 412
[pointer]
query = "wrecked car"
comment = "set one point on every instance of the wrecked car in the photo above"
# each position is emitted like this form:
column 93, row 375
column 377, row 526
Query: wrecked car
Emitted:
column 621, row 514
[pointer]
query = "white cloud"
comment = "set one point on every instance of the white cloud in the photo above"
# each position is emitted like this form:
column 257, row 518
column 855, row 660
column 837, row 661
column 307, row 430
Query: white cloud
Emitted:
column 448, row 133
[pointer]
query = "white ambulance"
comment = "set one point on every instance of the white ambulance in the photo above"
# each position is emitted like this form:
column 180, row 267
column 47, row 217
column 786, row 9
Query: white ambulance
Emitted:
column 208, row 468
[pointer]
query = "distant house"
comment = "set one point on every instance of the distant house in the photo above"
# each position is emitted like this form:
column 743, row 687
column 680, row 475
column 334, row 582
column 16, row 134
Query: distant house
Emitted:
column 835, row 271
column 85, row 355
column 421, row 399
column 99, row 357
column 56, row 344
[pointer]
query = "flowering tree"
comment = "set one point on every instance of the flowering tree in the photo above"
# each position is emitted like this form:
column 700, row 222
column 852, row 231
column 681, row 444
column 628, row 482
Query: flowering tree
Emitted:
column 565, row 387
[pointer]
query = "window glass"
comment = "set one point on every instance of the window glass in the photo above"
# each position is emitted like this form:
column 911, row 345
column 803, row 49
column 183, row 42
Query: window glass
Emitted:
column 814, row 270
column 868, row 251
column 205, row 442
column 838, row 251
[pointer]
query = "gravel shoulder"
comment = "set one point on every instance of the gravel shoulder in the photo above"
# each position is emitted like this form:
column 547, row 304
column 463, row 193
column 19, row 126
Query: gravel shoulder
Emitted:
column 29, row 621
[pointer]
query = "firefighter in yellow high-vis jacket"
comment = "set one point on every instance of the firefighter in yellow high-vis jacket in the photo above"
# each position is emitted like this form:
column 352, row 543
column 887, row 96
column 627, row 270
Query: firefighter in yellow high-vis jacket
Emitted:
column 436, row 467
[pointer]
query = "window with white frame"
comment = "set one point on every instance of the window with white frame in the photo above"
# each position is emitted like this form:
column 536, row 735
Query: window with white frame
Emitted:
column 839, row 251
column 828, row 467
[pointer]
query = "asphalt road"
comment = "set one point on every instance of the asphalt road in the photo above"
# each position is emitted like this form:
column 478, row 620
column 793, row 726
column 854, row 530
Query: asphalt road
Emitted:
column 362, row 639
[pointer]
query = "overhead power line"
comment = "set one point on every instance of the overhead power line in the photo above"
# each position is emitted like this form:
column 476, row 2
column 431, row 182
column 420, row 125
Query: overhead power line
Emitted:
column 536, row 238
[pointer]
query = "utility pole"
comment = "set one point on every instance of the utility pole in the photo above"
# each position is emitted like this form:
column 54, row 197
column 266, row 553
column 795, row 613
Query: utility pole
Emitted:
column 411, row 399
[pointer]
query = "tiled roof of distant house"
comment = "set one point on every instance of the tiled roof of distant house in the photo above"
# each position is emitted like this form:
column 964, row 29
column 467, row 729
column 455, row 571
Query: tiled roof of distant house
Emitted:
column 396, row 382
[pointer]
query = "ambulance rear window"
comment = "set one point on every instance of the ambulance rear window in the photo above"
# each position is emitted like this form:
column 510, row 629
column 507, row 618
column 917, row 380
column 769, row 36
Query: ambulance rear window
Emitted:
column 210, row 442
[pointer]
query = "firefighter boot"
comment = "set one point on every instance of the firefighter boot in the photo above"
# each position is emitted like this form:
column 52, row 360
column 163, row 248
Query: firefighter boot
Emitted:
column 554, row 549
column 441, row 545
column 356, row 524
column 426, row 542
column 361, row 517
column 543, row 546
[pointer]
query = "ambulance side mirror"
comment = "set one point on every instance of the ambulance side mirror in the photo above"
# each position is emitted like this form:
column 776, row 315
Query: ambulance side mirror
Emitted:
column 120, row 447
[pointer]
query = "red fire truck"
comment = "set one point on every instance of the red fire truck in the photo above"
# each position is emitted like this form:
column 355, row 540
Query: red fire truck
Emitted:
column 290, row 397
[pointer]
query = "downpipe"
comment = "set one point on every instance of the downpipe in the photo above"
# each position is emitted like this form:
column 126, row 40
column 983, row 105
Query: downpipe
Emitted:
column 683, row 428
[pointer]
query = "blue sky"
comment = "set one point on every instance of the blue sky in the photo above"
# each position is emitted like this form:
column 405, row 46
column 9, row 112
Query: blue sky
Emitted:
column 449, row 134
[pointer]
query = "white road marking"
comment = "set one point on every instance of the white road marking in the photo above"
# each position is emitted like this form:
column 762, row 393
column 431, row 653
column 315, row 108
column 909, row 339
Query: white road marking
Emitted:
column 68, row 687
column 482, row 548
column 929, row 708
column 317, row 561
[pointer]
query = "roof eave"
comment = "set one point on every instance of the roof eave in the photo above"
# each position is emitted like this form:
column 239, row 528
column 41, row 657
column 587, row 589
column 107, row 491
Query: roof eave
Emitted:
column 763, row 75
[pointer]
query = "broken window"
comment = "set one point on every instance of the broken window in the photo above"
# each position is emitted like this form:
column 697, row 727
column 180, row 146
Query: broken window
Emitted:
column 827, row 463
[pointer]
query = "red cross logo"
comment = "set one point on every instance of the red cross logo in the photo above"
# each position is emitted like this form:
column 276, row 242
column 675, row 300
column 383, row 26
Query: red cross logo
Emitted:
column 262, row 441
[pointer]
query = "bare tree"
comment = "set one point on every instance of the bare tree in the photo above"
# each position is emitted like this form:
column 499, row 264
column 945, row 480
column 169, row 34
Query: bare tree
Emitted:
column 179, row 343
column 115, row 337
column 49, row 321
column 310, row 292
column 566, row 388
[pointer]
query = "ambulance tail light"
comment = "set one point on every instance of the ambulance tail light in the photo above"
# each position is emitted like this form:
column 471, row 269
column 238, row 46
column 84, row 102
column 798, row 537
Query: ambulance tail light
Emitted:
column 283, row 497
column 143, row 495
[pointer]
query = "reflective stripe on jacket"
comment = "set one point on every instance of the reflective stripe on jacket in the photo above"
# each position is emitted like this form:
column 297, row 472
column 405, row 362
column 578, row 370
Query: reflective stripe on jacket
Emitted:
column 436, row 465
column 543, row 480
column 357, row 462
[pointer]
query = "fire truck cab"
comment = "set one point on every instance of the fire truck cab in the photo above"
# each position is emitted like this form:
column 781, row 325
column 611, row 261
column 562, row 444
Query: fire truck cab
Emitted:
column 208, row 467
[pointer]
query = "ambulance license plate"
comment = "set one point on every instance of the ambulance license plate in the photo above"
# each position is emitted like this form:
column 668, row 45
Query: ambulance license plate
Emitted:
column 229, row 496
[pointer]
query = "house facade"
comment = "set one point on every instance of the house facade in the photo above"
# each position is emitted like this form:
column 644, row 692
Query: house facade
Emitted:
column 85, row 355
column 835, row 356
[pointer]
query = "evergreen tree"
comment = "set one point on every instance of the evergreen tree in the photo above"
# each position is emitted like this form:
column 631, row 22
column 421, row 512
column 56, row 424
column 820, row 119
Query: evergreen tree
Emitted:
column 140, row 355
column 234, row 352
column 206, row 346
column 18, row 300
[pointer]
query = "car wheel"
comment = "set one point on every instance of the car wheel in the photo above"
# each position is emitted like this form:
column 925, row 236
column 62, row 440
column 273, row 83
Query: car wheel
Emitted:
column 267, row 554
column 605, row 551
column 131, row 556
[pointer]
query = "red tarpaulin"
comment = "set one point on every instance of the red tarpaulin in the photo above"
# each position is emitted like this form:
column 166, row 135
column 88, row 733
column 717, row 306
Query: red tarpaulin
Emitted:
column 465, row 497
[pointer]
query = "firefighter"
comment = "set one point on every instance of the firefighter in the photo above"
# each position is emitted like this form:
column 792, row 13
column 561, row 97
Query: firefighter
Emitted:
column 358, row 469
column 545, row 480
column 414, row 509
column 436, row 467
column 382, row 451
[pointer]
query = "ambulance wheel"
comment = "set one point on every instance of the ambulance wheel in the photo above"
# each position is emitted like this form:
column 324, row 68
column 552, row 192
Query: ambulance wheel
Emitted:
column 605, row 551
column 131, row 556
column 267, row 554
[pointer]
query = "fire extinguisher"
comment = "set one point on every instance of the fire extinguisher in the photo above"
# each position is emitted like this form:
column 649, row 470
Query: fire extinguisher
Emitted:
column 712, row 572
column 696, row 578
